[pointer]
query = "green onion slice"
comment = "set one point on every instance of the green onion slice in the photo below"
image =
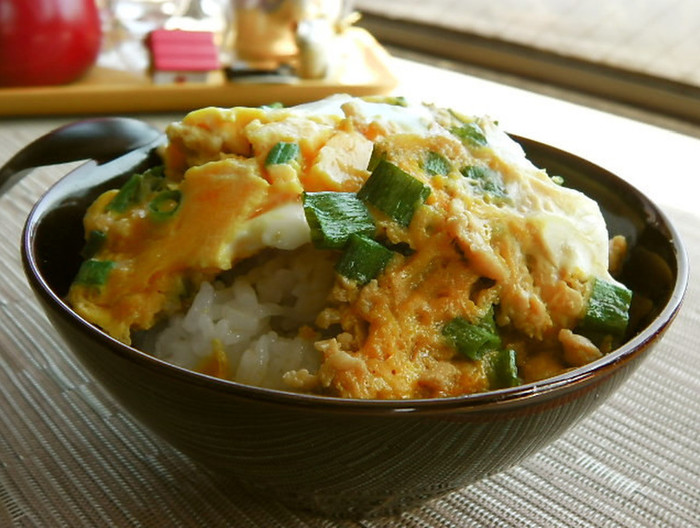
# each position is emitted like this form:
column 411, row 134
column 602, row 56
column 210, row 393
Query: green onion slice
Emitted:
column 165, row 204
column 127, row 196
column 95, row 240
column 472, row 133
column 608, row 309
column 137, row 188
column 398, row 100
column 152, row 180
column 334, row 216
column 472, row 340
column 377, row 155
column 283, row 152
column 487, row 181
column 502, row 369
column 363, row 259
column 435, row 163
column 94, row 272
column 394, row 192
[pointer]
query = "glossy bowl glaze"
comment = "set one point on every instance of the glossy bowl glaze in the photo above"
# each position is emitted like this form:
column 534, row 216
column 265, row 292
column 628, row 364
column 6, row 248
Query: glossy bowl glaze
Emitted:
column 352, row 458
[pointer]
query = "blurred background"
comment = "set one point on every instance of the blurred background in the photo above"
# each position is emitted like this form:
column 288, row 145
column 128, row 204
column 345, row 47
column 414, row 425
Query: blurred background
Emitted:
column 655, row 37
column 645, row 53
column 636, row 57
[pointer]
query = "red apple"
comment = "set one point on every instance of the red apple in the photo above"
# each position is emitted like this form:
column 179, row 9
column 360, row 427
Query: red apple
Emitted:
column 47, row 42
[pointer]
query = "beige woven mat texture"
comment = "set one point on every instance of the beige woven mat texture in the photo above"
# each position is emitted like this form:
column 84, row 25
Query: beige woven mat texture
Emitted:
column 69, row 456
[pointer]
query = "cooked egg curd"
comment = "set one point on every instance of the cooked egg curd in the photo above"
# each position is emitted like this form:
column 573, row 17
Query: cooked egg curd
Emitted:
column 462, row 267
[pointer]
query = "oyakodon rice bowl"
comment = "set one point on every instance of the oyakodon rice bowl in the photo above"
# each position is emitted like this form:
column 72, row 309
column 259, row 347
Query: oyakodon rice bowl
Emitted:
column 344, row 457
column 361, row 248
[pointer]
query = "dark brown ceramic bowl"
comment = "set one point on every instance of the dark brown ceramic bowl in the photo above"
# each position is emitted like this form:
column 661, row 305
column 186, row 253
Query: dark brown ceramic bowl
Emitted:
column 354, row 458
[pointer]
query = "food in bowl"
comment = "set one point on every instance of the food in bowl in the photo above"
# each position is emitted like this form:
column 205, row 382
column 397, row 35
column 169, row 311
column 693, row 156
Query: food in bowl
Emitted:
column 359, row 248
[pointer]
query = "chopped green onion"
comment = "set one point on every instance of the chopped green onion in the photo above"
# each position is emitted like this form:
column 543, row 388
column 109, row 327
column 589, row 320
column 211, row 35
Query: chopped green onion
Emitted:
column 165, row 204
column 472, row 133
column 608, row 309
column 487, row 181
column 155, row 172
column 127, row 196
column 502, row 369
column 436, row 163
column 398, row 100
column 363, row 259
column 394, row 192
column 137, row 188
column 377, row 155
column 334, row 216
column 472, row 340
column 152, row 180
column 94, row 272
column 93, row 244
column 283, row 152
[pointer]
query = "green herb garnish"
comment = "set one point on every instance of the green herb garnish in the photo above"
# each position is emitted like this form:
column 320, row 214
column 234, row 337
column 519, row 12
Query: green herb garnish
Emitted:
column 398, row 100
column 94, row 272
column 487, row 181
column 377, row 155
column 435, row 163
column 472, row 133
column 136, row 189
column 608, row 309
column 95, row 240
column 502, row 369
column 165, row 204
column 127, row 195
column 363, row 259
column 334, row 216
column 472, row 340
column 283, row 152
column 394, row 192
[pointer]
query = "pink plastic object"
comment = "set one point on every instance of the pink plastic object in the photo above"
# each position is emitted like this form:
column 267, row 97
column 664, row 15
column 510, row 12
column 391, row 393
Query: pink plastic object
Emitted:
column 178, row 56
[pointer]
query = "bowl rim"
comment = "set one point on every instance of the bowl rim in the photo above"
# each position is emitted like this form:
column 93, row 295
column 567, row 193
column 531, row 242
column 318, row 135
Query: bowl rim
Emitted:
column 565, row 382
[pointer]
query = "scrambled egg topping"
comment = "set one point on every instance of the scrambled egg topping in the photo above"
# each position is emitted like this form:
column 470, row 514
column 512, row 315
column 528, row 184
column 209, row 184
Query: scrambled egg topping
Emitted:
column 495, row 240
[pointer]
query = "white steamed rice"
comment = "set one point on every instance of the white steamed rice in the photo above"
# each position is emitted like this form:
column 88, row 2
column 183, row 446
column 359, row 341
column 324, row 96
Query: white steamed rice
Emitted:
column 255, row 318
